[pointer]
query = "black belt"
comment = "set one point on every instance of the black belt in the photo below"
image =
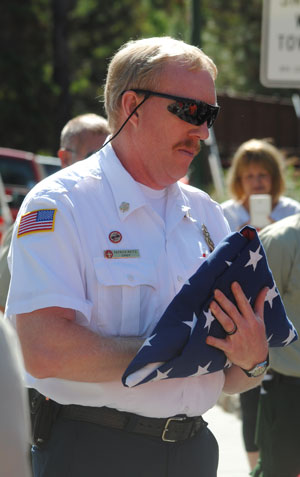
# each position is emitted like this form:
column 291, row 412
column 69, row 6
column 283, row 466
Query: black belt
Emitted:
column 282, row 378
column 172, row 429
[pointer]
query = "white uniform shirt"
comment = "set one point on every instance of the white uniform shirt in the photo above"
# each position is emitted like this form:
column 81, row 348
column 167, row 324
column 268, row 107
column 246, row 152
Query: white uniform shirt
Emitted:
column 237, row 215
column 114, row 296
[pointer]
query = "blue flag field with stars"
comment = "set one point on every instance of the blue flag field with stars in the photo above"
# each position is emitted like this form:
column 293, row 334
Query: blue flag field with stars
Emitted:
column 177, row 346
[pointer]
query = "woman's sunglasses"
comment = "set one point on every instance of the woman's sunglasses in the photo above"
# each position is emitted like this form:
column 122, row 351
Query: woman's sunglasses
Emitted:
column 189, row 110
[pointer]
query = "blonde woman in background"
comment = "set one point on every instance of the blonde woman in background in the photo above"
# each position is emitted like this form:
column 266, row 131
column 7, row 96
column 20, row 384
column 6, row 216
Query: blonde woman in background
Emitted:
column 257, row 168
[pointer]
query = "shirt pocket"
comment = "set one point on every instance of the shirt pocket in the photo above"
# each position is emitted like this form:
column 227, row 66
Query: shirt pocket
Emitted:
column 127, row 297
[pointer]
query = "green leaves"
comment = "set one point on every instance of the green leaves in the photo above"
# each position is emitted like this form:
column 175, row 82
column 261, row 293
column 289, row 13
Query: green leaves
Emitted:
column 54, row 55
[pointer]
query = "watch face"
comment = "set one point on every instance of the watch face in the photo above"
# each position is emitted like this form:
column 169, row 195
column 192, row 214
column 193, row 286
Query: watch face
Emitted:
column 258, row 370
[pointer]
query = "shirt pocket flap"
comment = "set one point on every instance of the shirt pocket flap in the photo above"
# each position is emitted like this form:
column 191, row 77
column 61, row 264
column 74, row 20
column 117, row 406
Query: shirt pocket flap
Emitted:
column 129, row 272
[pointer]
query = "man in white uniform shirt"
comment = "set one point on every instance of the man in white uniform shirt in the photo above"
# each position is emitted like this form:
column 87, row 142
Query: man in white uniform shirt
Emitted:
column 100, row 250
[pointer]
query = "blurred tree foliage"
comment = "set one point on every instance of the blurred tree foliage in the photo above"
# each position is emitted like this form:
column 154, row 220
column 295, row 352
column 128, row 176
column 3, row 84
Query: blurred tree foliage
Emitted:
column 27, row 90
column 55, row 53
column 232, row 37
column 54, row 60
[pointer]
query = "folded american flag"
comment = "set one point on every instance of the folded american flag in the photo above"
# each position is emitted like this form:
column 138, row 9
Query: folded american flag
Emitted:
column 177, row 347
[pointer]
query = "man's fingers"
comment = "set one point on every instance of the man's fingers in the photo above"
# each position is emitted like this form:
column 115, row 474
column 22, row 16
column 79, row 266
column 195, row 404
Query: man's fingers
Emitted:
column 217, row 343
column 222, row 317
column 241, row 299
column 260, row 302
column 225, row 304
column 230, row 315
column 248, row 341
column 243, row 305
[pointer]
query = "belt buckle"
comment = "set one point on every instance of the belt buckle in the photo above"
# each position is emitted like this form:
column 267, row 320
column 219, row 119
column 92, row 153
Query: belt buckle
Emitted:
column 163, row 436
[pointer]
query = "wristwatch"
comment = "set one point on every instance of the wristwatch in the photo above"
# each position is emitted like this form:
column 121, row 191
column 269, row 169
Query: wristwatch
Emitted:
column 258, row 369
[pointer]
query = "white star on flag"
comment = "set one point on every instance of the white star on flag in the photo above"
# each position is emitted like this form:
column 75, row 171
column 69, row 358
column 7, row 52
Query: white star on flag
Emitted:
column 147, row 341
column 209, row 319
column 160, row 375
column 272, row 293
column 201, row 370
column 192, row 323
column 289, row 338
column 179, row 348
column 227, row 364
column 255, row 257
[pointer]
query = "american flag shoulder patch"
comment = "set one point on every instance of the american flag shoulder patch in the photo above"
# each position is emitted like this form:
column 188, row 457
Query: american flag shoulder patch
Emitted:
column 41, row 220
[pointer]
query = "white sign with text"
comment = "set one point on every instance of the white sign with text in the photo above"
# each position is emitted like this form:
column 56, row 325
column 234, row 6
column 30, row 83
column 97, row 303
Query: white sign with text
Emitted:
column 280, row 44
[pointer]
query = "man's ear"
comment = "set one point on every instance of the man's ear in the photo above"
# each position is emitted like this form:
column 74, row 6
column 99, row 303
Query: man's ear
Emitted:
column 65, row 157
column 130, row 100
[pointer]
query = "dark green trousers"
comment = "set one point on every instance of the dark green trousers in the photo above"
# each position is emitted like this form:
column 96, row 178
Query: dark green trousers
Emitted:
column 278, row 429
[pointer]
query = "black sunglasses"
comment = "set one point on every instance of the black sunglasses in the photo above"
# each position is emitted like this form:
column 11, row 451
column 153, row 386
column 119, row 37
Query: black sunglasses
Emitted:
column 189, row 110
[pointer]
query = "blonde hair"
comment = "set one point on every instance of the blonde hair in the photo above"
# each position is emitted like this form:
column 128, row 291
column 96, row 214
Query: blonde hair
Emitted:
column 139, row 64
column 78, row 126
column 257, row 151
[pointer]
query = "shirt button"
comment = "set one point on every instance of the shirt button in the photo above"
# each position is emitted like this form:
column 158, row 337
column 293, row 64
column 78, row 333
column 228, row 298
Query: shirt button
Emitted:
column 179, row 278
column 130, row 278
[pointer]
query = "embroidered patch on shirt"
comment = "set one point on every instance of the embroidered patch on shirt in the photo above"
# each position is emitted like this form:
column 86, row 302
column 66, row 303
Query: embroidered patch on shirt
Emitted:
column 37, row 221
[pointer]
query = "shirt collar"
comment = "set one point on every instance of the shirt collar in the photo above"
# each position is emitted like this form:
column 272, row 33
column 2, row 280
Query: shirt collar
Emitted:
column 127, row 194
column 178, row 207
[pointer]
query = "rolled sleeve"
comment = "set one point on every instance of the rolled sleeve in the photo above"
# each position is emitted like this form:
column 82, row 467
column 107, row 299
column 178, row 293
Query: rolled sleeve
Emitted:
column 46, row 266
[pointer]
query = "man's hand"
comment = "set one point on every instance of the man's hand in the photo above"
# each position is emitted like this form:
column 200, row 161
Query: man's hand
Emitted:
column 248, row 345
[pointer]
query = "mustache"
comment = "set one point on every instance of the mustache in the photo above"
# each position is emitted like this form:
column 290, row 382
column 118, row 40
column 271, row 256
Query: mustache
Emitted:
column 189, row 144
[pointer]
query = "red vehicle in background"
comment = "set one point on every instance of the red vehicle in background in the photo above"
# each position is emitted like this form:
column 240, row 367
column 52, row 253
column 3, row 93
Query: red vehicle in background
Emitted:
column 20, row 171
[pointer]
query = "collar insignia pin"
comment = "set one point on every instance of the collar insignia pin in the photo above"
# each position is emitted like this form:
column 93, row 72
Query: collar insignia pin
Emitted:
column 207, row 238
column 124, row 207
